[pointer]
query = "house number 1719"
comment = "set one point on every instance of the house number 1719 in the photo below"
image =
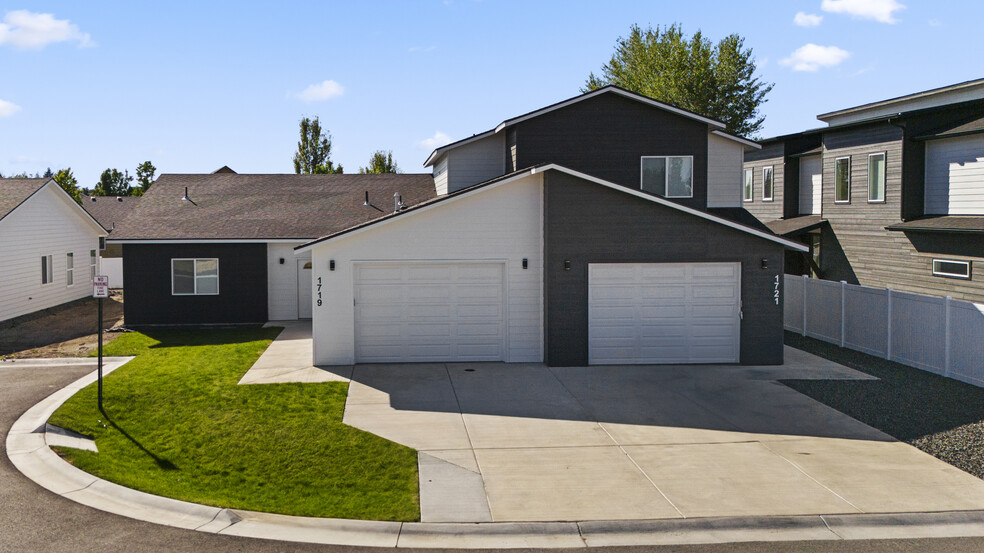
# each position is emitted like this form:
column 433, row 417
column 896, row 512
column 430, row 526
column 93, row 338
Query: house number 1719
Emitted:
column 775, row 295
column 319, row 291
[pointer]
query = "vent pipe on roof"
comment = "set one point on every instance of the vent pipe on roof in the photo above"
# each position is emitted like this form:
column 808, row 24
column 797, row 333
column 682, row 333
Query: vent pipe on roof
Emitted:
column 367, row 198
column 186, row 198
column 397, row 202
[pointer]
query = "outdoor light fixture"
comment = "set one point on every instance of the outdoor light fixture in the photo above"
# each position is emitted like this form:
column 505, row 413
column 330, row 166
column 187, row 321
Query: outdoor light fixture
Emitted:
column 526, row 263
column 765, row 263
column 331, row 265
column 567, row 264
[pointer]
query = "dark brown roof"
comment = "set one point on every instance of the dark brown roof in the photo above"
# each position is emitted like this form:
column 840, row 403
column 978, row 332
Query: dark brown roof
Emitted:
column 943, row 223
column 741, row 216
column 109, row 210
column 784, row 227
column 13, row 192
column 236, row 207
column 970, row 126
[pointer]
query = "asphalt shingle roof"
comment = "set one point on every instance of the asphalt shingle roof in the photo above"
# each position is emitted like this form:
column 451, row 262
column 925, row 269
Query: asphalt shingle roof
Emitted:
column 13, row 192
column 943, row 223
column 277, row 206
column 109, row 210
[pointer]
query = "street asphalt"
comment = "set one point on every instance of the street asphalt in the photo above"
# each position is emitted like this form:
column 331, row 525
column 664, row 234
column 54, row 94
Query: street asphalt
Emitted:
column 33, row 519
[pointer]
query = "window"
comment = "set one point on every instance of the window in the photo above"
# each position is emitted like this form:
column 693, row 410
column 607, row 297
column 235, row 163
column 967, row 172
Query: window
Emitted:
column 69, row 269
column 46, row 276
column 842, row 180
column 951, row 269
column 194, row 277
column 92, row 264
column 876, row 178
column 767, row 184
column 747, row 190
column 668, row 176
column 102, row 242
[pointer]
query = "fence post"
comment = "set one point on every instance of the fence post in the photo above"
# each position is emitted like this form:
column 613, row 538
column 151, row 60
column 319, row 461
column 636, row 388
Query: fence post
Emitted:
column 946, row 330
column 805, row 282
column 888, row 349
column 843, row 314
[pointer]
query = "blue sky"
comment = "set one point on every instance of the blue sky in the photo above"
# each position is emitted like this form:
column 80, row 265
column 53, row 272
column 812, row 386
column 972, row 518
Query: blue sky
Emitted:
column 193, row 86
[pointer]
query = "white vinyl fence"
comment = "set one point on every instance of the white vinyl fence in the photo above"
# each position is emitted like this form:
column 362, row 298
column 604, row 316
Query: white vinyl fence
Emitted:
column 939, row 335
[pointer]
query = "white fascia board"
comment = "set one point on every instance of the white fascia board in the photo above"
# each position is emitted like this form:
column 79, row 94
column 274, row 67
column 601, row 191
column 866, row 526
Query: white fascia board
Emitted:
column 212, row 241
column 89, row 219
column 605, row 90
column 744, row 141
column 438, row 151
column 656, row 199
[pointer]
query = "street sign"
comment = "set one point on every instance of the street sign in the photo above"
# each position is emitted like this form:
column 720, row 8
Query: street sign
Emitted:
column 100, row 279
column 100, row 291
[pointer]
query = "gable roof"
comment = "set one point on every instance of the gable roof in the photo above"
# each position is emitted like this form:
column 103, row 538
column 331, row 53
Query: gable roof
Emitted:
column 242, row 207
column 109, row 210
column 498, row 181
column 13, row 192
column 716, row 126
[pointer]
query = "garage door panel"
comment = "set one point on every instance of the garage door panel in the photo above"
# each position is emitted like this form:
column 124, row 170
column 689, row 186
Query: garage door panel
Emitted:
column 429, row 312
column 663, row 313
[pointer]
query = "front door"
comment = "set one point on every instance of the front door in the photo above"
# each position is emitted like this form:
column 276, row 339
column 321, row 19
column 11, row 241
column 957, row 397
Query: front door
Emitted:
column 303, row 288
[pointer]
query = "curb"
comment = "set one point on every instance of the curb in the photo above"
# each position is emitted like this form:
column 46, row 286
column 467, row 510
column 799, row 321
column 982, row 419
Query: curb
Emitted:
column 61, row 361
column 28, row 450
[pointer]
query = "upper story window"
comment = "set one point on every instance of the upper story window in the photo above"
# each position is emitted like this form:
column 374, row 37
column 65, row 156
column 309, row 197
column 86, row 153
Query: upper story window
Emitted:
column 668, row 176
column 842, row 180
column 194, row 277
column 747, row 187
column 69, row 268
column 876, row 177
column 46, row 275
column 768, row 186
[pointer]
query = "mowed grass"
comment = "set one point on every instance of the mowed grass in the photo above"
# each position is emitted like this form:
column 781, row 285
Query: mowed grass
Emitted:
column 177, row 424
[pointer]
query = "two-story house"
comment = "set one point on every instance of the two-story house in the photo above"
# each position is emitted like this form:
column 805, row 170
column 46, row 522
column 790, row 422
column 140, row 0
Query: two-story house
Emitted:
column 888, row 194
column 604, row 229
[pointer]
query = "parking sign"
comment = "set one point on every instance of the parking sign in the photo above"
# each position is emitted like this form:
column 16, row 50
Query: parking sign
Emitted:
column 100, row 286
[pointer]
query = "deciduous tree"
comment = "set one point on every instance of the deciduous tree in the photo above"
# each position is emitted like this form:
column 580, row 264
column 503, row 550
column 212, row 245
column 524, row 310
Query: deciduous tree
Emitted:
column 69, row 183
column 381, row 161
column 113, row 183
column 145, row 177
column 313, row 155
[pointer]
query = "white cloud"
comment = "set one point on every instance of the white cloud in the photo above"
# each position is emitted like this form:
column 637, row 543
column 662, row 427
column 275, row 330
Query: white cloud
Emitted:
column 29, row 30
column 322, row 91
column 812, row 57
column 804, row 19
column 439, row 139
column 879, row 10
column 8, row 108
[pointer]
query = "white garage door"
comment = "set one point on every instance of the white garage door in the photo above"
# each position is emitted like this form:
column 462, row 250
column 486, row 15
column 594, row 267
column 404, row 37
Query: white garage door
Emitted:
column 663, row 313
column 413, row 312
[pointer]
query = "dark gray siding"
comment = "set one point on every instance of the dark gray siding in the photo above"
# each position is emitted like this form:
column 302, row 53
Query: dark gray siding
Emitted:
column 242, row 294
column 606, row 137
column 587, row 223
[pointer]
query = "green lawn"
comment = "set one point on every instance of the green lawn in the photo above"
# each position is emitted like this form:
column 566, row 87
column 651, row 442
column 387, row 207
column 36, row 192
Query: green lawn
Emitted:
column 176, row 424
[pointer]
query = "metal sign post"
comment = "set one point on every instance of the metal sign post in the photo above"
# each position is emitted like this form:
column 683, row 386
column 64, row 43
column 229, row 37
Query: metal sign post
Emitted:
column 100, row 290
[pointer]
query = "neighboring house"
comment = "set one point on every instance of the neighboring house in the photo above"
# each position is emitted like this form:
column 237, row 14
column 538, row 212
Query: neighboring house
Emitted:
column 48, row 247
column 888, row 194
column 218, row 248
column 605, row 229
column 110, row 210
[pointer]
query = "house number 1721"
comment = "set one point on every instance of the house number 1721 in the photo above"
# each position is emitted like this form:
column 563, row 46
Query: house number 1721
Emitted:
column 775, row 294
column 319, row 291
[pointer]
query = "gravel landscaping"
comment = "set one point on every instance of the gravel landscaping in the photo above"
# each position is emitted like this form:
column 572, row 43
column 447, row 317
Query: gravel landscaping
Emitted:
column 938, row 415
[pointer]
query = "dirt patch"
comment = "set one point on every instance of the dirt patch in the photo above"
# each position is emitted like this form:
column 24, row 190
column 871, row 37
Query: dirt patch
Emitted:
column 68, row 330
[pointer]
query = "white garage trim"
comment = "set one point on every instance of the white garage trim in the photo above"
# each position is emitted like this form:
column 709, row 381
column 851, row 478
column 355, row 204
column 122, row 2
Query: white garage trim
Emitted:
column 435, row 310
column 664, row 313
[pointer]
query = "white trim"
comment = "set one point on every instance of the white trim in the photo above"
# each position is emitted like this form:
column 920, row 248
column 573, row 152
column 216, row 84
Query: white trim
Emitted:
column 772, row 174
column 666, row 174
column 748, row 178
column 884, row 177
column 966, row 276
column 213, row 241
column 47, row 269
column 902, row 99
column 69, row 269
column 195, row 277
column 738, row 139
column 90, row 220
column 554, row 167
column 849, row 163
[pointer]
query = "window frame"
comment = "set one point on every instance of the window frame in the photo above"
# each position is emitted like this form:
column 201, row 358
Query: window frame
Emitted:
column 944, row 274
column 93, row 263
column 195, row 276
column 748, row 185
column 836, row 161
column 884, row 184
column 772, row 178
column 69, row 268
column 666, row 174
column 47, row 270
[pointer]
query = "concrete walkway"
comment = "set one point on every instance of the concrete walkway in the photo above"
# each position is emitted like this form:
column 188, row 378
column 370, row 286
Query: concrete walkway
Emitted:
column 289, row 359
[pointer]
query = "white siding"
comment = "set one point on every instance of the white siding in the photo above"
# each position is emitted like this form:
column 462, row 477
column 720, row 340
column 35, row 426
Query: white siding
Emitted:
column 724, row 175
column 282, row 282
column 441, row 175
column 48, row 223
column 501, row 225
column 810, row 179
column 955, row 176
column 109, row 266
column 476, row 162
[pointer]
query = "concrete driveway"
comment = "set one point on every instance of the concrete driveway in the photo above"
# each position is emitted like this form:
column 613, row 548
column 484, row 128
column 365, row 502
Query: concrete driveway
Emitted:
column 502, row 442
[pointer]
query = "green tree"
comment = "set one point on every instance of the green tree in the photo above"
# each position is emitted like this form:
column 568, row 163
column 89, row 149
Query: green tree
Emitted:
column 47, row 173
column 113, row 183
column 717, row 81
column 381, row 161
column 313, row 155
column 69, row 183
column 145, row 177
